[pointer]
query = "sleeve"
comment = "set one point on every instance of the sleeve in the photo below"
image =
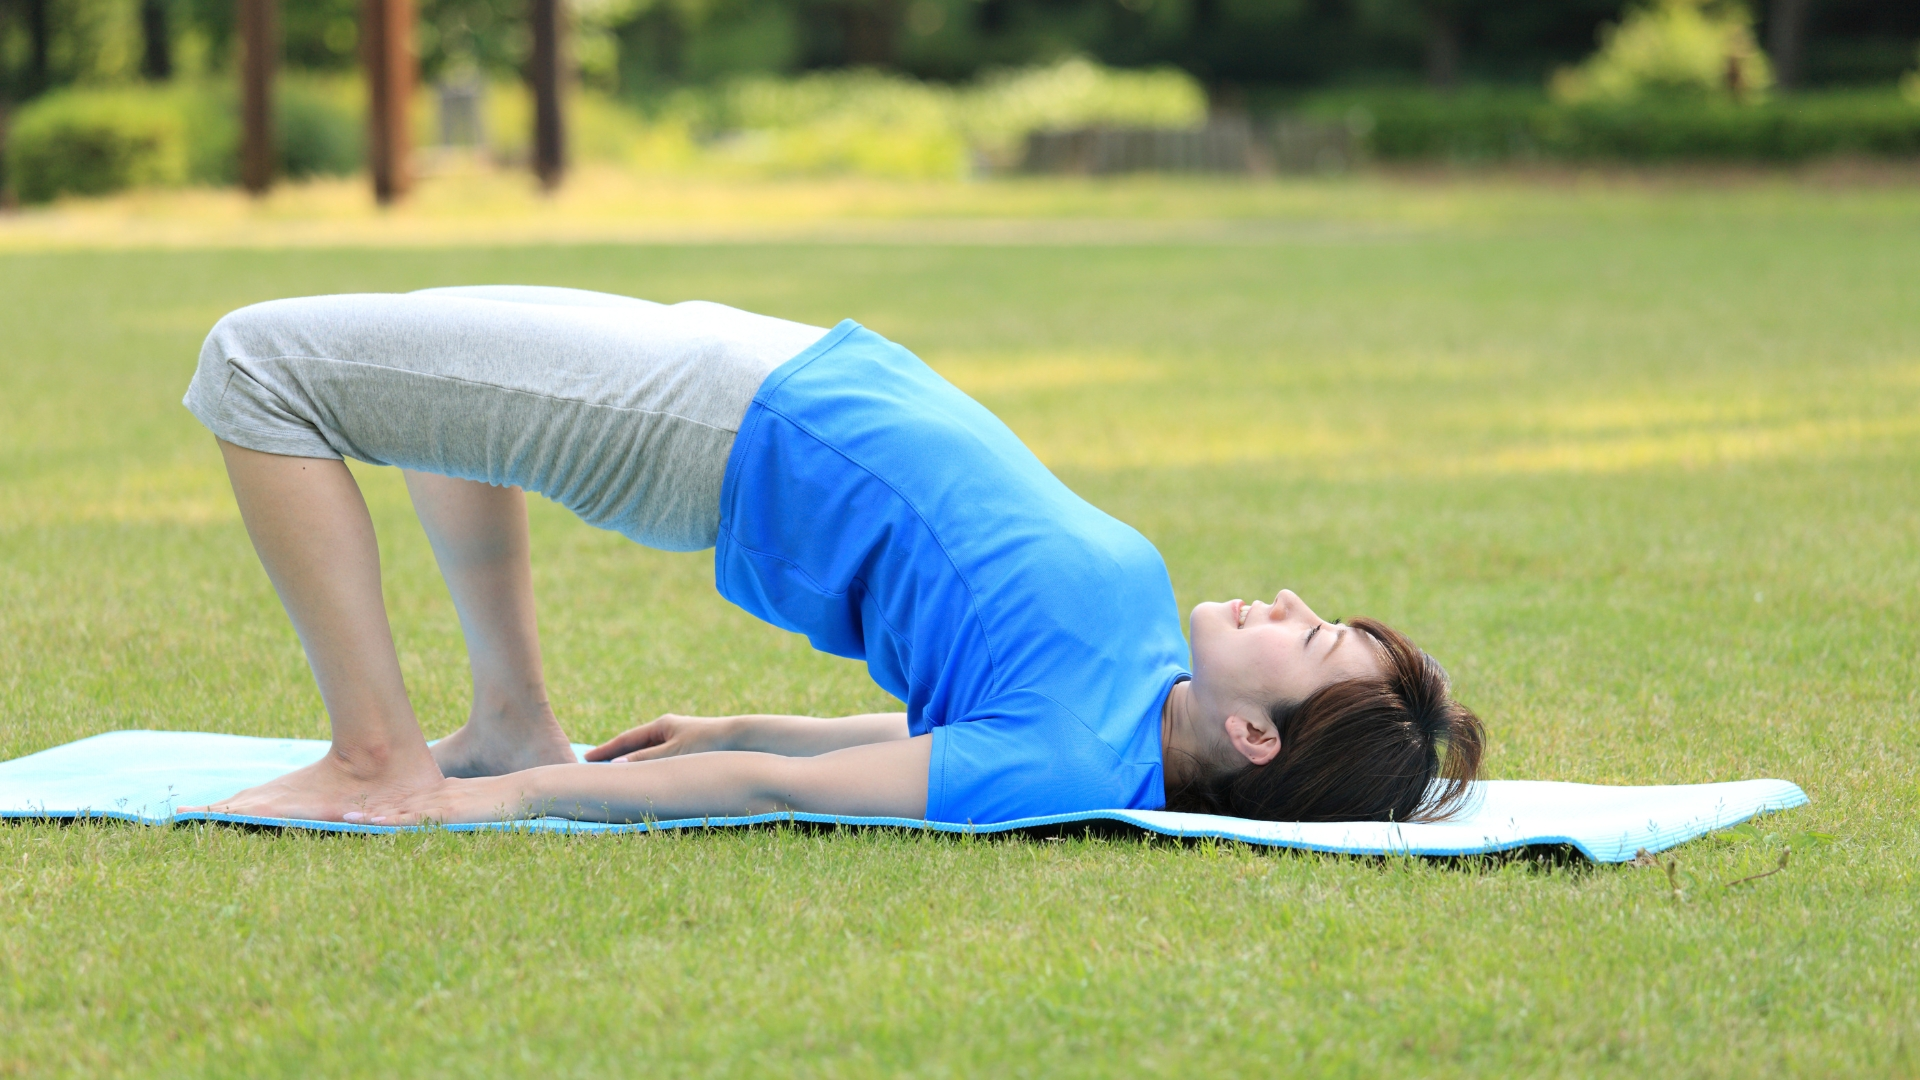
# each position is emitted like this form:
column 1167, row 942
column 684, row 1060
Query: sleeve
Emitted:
column 1024, row 755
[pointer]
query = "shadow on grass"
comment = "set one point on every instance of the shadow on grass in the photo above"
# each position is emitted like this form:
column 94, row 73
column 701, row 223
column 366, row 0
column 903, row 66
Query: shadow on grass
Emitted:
column 1542, row 857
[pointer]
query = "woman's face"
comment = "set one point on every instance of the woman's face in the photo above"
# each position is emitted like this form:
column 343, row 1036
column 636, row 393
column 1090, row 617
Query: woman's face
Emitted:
column 1258, row 654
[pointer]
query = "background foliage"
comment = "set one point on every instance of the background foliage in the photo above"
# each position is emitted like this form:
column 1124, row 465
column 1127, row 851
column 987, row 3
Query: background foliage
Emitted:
column 93, row 140
column 1237, row 48
column 1684, row 48
column 116, row 93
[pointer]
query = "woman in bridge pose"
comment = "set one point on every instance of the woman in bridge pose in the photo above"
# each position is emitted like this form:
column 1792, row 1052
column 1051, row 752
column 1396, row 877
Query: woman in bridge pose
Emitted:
column 851, row 495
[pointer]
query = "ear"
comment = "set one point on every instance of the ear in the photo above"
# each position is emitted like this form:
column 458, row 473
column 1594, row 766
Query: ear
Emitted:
column 1256, row 740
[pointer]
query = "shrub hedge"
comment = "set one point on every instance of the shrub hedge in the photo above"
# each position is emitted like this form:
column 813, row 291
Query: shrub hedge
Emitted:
column 97, row 141
column 90, row 142
column 1496, row 126
column 93, row 143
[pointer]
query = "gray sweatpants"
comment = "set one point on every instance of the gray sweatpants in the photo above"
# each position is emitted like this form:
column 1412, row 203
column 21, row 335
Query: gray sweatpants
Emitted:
column 621, row 410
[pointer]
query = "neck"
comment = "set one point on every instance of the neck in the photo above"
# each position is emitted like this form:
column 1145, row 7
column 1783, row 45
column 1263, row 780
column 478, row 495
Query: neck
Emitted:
column 1179, row 759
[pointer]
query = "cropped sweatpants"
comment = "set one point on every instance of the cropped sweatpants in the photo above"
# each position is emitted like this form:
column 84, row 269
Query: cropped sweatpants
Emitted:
column 621, row 410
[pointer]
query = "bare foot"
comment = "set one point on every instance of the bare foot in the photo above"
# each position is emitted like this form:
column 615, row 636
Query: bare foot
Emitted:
column 497, row 747
column 335, row 786
column 455, row 801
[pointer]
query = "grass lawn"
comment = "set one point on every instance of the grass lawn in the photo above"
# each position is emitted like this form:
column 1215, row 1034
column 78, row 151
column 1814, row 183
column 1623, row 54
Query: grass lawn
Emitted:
column 1642, row 466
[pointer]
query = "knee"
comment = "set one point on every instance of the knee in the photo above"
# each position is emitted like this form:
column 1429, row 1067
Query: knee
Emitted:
column 240, row 394
column 254, row 330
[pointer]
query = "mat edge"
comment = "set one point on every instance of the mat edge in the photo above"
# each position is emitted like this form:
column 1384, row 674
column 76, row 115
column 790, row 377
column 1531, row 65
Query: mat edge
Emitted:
column 1789, row 799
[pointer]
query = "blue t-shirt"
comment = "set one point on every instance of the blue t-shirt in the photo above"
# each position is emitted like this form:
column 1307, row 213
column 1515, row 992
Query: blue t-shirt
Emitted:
column 873, row 507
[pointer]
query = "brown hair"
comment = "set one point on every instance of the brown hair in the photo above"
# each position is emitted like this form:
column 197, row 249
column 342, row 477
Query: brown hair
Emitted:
column 1359, row 750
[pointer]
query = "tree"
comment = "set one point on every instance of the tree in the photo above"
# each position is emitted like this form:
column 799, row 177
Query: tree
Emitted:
column 1786, row 38
column 1687, row 48
column 1442, row 21
column 156, row 54
column 39, row 37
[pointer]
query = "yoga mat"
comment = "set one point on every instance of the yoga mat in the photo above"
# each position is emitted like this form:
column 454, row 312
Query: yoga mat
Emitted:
column 143, row 775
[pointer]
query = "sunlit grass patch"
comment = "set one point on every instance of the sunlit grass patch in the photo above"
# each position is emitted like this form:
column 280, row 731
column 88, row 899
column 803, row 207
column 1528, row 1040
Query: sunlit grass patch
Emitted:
column 464, row 203
column 178, row 494
column 1426, row 420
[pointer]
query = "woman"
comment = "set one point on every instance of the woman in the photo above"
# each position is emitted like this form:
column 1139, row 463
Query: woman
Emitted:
column 850, row 494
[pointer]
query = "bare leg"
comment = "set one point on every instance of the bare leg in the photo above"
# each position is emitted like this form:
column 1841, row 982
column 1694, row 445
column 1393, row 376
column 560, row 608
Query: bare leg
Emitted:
column 479, row 537
column 311, row 529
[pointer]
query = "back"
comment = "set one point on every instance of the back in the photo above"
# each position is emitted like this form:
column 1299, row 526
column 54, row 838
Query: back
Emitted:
column 875, row 508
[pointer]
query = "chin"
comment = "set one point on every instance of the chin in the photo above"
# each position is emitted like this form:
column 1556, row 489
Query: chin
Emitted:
column 1198, row 617
column 1206, row 619
column 1206, row 607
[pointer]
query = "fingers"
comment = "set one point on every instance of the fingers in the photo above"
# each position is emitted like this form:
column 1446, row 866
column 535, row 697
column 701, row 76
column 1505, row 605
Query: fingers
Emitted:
column 396, row 819
column 606, row 751
column 627, row 741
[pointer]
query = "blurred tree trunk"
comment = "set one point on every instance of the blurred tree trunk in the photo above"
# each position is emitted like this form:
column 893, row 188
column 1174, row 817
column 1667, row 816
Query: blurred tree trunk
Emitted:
column 6, row 185
column 156, row 57
column 6, row 87
column 1787, row 39
column 992, row 16
column 1442, row 24
column 386, row 41
column 259, row 49
column 870, row 30
column 547, row 68
column 39, row 33
column 1206, row 15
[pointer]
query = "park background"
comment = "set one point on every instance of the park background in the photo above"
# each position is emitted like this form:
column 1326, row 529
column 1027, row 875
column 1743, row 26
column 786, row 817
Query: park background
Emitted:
column 1580, row 340
column 101, row 95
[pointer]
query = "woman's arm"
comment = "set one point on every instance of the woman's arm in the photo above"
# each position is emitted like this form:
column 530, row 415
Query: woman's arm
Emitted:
column 885, row 779
column 791, row 736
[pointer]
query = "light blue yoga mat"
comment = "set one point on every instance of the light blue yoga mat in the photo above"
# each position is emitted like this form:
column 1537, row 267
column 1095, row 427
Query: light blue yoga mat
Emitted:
column 142, row 775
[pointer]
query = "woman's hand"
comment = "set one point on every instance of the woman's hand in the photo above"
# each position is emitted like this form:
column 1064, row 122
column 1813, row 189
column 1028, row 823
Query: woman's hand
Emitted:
column 884, row 779
column 669, row 736
column 791, row 736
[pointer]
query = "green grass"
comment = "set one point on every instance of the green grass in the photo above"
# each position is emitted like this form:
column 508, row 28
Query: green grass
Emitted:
column 1642, row 467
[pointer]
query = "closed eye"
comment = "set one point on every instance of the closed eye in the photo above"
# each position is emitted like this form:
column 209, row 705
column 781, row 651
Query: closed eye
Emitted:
column 1310, row 634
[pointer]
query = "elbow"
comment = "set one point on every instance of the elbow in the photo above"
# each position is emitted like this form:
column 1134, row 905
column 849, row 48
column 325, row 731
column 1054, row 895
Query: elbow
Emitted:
column 778, row 786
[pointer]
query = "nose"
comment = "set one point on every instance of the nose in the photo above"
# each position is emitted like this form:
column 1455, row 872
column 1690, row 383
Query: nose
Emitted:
column 1290, row 606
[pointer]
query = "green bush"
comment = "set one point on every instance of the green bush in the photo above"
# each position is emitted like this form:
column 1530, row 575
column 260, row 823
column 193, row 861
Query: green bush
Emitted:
column 1672, row 48
column 859, row 122
column 1001, row 109
column 87, row 142
column 211, row 117
column 320, row 127
column 1780, row 131
column 1508, row 125
column 869, row 123
column 1471, row 125
column 98, row 141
